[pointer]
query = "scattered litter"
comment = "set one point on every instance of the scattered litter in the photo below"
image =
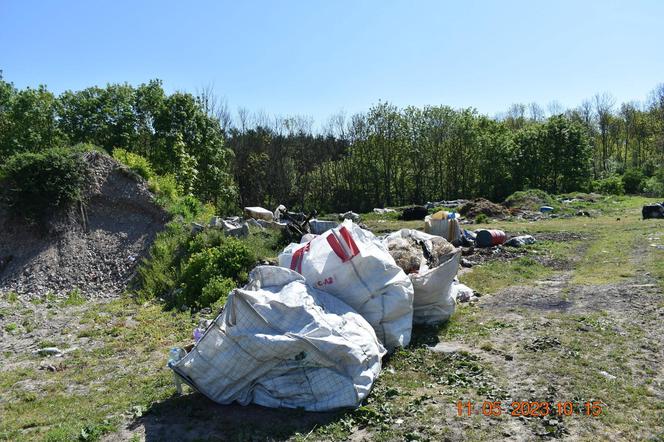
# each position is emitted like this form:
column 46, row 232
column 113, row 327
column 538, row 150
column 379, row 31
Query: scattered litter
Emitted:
column 489, row 238
column 281, row 343
column 383, row 211
column 431, row 263
column 352, row 264
column 258, row 213
column 351, row 216
column 546, row 209
column 318, row 227
column 519, row 241
column 48, row 351
column 607, row 375
column 461, row 292
column 196, row 228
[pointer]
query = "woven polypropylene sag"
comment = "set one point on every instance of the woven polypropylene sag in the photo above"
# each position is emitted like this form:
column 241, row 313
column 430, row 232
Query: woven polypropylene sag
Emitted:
column 353, row 265
column 282, row 343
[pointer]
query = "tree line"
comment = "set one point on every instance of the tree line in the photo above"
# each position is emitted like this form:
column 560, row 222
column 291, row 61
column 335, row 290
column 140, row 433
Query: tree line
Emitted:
column 386, row 156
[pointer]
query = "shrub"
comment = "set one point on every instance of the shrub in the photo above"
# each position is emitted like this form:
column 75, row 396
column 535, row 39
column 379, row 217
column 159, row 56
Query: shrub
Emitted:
column 232, row 259
column 135, row 162
column 653, row 187
column 216, row 291
column 612, row 185
column 164, row 187
column 482, row 218
column 39, row 182
column 633, row 181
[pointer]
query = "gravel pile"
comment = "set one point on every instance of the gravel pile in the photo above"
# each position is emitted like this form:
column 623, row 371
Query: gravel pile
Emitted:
column 94, row 247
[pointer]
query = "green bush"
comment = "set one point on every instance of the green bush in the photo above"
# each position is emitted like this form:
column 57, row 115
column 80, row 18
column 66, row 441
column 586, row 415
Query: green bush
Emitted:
column 612, row 185
column 653, row 187
column 37, row 183
column 232, row 259
column 135, row 162
column 633, row 181
column 165, row 187
column 482, row 218
column 216, row 291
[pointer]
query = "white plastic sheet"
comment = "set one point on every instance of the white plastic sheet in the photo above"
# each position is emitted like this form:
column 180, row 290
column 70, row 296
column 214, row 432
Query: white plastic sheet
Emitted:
column 353, row 265
column 282, row 343
column 434, row 302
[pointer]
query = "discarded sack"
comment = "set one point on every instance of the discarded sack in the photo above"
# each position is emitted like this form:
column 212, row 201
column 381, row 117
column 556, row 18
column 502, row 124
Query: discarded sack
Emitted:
column 282, row 343
column 353, row 265
column 519, row 241
column 433, row 302
column 461, row 292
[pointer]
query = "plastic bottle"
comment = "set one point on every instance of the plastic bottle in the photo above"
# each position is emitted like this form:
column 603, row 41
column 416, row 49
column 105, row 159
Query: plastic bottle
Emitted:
column 174, row 356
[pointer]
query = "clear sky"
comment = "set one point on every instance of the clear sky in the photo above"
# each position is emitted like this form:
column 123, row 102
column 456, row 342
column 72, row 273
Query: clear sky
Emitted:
column 316, row 57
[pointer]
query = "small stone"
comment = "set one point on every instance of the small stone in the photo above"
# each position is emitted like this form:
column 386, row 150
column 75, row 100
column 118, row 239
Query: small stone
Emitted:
column 509, row 357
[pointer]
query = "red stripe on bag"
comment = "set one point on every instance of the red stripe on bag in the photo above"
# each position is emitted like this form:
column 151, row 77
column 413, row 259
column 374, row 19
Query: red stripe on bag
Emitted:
column 298, row 257
column 336, row 247
column 348, row 237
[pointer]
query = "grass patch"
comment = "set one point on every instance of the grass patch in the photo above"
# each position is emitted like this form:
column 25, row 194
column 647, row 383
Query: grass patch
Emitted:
column 74, row 298
column 496, row 275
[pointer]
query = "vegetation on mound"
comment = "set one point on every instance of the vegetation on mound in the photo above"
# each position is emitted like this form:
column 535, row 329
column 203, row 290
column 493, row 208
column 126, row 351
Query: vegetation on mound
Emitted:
column 37, row 183
column 531, row 199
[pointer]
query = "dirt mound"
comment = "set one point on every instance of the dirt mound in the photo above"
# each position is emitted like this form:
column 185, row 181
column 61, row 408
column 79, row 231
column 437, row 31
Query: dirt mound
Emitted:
column 473, row 208
column 94, row 247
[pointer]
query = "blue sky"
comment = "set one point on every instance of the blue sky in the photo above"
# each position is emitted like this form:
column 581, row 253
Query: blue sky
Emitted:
column 317, row 57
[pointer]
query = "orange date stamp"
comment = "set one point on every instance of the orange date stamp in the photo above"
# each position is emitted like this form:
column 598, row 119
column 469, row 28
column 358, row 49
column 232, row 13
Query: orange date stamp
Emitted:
column 529, row 408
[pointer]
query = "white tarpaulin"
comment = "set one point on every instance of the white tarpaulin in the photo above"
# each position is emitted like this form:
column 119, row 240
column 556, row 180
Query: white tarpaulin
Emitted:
column 434, row 301
column 353, row 265
column 282, row 343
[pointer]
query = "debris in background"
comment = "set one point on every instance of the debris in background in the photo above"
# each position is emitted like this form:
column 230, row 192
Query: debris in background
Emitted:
column 383, row 211
column 258, row 213
column 414, row 213
column 483, row 206
column 449, row 204
column 489, row 238
column 519, row 241
column 653, row 211
column 351, row 216
column 318, row 227
column 546, row 209
column 461, row 292
column 281, row 343
column 355, row 266
column 445, row 224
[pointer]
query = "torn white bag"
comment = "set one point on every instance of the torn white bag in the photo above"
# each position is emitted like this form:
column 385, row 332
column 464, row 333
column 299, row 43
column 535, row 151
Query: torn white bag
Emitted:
column 280, row 343
column 434, row 301
column 353, row 265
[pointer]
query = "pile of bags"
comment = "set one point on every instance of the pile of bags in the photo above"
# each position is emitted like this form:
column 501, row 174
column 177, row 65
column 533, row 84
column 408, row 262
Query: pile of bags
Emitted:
column 311, row 333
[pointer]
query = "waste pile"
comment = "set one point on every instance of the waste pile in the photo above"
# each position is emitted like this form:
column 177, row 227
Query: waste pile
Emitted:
column 310, row 333
column 280, row 342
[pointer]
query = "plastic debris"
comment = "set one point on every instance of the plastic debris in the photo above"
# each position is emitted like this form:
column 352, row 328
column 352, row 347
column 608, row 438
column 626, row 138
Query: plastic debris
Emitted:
column 519, row 241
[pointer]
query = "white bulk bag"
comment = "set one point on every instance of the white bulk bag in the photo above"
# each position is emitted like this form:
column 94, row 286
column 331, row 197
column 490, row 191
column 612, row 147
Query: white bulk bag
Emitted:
column 434, row 301
column 353, row 265
column 280, row 343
